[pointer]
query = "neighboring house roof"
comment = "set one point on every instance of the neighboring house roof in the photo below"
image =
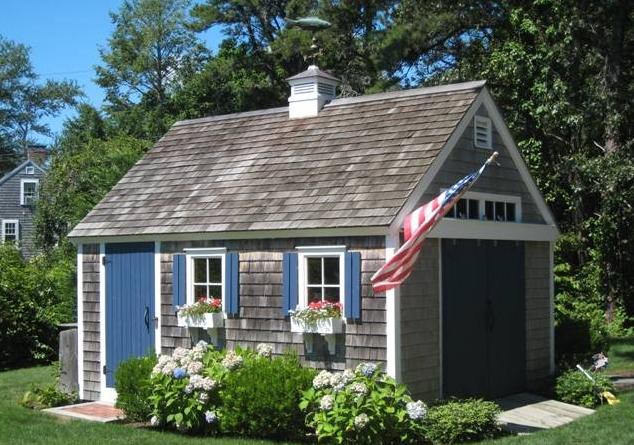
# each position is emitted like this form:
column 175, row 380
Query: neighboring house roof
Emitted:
column 354, row 165
column 19, row 168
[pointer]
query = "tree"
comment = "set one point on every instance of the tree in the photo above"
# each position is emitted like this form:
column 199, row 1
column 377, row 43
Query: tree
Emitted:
column 150, row 53
column 24, row 102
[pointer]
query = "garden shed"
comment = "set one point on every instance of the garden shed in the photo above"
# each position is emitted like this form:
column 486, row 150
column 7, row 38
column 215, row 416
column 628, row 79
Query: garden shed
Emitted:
column 273, row 209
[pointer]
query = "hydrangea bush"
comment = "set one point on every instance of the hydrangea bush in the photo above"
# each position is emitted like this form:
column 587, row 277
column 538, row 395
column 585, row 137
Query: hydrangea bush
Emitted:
column 363, row 406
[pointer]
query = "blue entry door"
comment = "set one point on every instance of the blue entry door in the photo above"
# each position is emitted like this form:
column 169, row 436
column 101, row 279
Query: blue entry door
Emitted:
column 129, row 303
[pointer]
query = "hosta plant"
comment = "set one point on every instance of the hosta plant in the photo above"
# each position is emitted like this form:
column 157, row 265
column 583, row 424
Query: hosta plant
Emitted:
column 364, row 406
column 317, row 310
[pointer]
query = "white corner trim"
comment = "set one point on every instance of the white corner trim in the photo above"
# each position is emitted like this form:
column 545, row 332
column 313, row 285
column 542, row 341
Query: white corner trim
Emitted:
column 393, row 315
column 474, row 229
column 552, row 305
column 440, row 322
column 436, row 165
column 80, row 319
column 318, row 251
column 157, row 297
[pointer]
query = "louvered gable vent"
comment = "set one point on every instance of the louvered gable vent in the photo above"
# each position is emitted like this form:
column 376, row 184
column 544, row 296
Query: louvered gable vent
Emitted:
column 482, row 132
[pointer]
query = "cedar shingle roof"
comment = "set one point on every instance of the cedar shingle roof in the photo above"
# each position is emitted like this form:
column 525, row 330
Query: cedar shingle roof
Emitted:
column 354, row 165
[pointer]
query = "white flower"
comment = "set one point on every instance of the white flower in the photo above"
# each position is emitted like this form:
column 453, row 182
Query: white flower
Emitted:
column 154, row 421
column 164, row 359
column 337, row 381
column 203, row 397
column 188, row 389
column 322, row 380
column 367, row 369
column 208, row 384
column 210, row 417
column 169, row 368
column 348, row 375
column 264, row 350
column 202, row 345
column 185, row 361
column 416, row 410
column 361, row 421
column 194, row 368
column 359, row 388
column 157, row 369
column 232, row 361
column 179, row 353
column 326, row 402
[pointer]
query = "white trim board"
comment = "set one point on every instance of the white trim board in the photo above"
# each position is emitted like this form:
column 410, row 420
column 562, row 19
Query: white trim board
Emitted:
column 320, row 251
column 157, row 297
column 485, row 99
column 393, row 315
column 105, row 394
column 80, row 320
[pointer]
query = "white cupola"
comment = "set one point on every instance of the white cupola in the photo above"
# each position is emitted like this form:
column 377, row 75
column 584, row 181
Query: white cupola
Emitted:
column 310, row 91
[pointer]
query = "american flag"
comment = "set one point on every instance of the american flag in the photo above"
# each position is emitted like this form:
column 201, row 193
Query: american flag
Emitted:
column 416, row 227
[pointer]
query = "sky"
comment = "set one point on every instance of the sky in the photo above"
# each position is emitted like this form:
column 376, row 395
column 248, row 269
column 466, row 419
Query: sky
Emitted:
column 65, row 37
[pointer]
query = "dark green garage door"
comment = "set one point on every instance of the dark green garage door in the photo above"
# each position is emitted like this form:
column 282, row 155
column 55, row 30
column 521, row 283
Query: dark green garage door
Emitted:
column 483, row 318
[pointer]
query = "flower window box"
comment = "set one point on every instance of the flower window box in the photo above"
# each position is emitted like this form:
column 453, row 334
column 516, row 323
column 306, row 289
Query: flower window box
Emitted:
column 206, row 313
column 203, row 321
column 324, row 326
column 322, row 318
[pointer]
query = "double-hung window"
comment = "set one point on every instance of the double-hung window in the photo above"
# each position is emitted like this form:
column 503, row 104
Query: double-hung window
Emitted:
column 205, row 274
column 28, row 191
column 10, row 230
column 321, row 274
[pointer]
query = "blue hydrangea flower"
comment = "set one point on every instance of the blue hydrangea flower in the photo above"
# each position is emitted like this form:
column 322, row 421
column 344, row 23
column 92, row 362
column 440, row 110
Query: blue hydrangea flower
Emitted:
column 416, row 410
column 367, row 369
column 179, row 373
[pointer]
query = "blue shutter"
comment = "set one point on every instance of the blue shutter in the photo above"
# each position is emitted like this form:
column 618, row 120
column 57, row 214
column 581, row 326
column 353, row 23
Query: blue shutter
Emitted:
column 179, row 280
column 352, row 301
column 289, row 282
column 232, row 283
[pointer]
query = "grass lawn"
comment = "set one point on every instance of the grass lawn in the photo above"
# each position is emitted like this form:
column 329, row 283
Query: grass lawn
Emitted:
column 22, row 426
column 621, row 355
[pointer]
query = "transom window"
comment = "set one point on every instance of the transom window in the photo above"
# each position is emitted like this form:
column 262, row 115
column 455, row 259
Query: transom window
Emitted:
column 28, row 192
column 323, row 280
column 205, row 273
column 487, row 207
column 9, row 230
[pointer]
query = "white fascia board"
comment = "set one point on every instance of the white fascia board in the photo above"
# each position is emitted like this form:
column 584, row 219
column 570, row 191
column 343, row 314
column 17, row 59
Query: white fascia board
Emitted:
column 80, row 320
column 474, row 229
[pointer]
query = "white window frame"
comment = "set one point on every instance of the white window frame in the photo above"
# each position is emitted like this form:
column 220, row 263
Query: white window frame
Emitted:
column 486, row 122
column 206, row 252
column 29, row 170
column 27, row 181
column 17, row 228
column 305, row 252
column 481, row 197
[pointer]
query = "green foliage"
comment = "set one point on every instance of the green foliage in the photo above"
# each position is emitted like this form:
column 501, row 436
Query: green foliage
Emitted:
column 262, row 398
column 458, row 421
column 42, row 397
column 132, row 382
column 574, row 387
column 32, row 305
column 362, row 407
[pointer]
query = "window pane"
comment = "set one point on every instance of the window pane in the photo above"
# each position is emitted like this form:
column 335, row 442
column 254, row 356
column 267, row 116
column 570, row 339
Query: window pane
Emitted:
column 314, row 294
column 331, row 270
column 461, row 209
column 200, row 292
column 200, row 273
column 215, row 270
column 331, row 294
column 314, row 270
column 215, row 291
column 499, row 211
column 488, row 210
column 473, row 209
column 451, row 213
column 510, row 211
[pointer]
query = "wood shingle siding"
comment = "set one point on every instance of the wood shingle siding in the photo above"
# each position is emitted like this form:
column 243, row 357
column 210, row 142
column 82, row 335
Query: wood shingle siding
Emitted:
column 90, row 297
column 353, row 166
column 261, row 319
column 538, row 311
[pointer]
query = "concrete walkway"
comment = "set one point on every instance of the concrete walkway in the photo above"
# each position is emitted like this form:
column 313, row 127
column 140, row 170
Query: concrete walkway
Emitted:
column 526, row 413
column 93, row 411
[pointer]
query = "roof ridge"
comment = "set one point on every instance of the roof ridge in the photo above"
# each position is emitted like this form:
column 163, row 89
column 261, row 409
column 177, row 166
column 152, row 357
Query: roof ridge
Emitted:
column 220, row 117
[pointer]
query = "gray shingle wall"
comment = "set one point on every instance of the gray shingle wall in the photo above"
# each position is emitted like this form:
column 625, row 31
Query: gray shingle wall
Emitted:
column 538, row 329
column 10, row 208
column 353, row 165
column 420, row 325
column 261, row 319
column 90, row 295
column 503, row 179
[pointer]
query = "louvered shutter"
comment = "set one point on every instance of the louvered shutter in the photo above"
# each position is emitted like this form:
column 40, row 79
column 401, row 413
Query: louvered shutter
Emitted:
column 232, row 283
column 289, row 282
column 352, row 297
column 179, row 280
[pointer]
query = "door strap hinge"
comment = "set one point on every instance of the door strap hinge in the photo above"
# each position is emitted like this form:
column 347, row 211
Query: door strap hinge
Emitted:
column 104, row 369
column 103, row 260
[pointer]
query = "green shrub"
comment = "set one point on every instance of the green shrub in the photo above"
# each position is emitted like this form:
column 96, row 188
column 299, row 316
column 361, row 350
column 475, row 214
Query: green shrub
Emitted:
column 262, row 399
column 364, row 406
column 48, row 396
column 462, row 421
column 132, row 382
column 574, row 387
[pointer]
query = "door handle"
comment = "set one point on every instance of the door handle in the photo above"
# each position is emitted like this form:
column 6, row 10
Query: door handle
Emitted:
column 490, row 315
column 146, row 318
